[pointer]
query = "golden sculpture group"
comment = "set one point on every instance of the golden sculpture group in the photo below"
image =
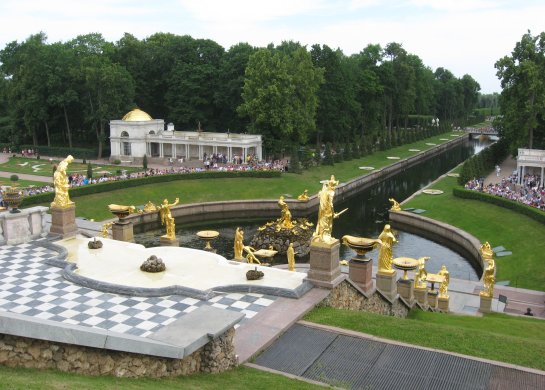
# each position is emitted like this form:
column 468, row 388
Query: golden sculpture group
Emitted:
column 285, row 221
column 395, row 205
column 60, row 181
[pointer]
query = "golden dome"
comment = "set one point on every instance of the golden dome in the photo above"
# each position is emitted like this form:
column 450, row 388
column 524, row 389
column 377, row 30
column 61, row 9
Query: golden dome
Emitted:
column 137, row 115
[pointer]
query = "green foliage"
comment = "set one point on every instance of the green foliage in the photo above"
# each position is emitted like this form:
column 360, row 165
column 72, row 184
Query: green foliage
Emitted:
column 14, row 178
column 522, row 99
column 145, row 162
column 328, row 156
column 117, row 161
column 89, row 171
column 521, row 208
column 295, row 163
column 481, row 164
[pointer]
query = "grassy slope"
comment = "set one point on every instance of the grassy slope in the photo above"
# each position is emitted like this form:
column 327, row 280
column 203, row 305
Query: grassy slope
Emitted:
column 497, row 225
column 239, row 378
column 192, row 191
column 516, row 340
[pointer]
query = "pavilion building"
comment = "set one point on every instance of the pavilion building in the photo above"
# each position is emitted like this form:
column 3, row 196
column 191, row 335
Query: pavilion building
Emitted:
column 138, row 134
column 531, row 161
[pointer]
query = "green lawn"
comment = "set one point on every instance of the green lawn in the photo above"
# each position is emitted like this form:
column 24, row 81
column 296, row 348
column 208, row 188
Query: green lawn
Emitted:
column 202, row 190
column 239, row 378
column 497, row 225
column 516, row 340
column 5, row 181
column 44, row 167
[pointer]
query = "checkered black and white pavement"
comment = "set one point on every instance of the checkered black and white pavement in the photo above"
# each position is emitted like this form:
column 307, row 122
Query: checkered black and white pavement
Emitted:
column 31, row 287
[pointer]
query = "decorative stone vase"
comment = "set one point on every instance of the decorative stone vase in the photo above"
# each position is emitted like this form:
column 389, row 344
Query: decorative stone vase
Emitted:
column 13, row 197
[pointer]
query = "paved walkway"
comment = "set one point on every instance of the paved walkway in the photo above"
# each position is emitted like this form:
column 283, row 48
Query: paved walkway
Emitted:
column 506, row 169
column 356, row 360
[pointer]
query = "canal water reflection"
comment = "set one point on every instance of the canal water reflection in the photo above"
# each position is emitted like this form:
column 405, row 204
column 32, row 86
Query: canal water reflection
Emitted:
column 368, row 212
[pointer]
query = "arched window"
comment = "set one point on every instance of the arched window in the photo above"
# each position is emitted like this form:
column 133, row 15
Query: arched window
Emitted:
column 124, row 134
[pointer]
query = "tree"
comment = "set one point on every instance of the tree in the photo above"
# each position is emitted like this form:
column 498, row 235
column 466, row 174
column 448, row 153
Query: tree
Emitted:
column 89, row 171
column 522, row 99
column 145, row 162
column 280, row 94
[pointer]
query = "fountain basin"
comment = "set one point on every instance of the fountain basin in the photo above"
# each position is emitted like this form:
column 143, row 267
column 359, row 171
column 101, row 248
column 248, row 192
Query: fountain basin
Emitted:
column 191, row 272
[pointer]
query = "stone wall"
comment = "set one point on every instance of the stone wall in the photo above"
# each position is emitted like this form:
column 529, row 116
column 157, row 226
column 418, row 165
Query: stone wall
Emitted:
column 347, row 296
column 216, row 356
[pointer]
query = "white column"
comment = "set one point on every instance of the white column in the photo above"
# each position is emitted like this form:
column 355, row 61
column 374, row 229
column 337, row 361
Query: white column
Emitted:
column 187, row 152
column 200, row 153
column 542, row 180
column 161, row 150
column 173, row 147
column 229, row 154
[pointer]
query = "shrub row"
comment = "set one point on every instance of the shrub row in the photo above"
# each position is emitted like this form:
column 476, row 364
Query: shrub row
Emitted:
column 521, row 208
column 122, row 184
column 57, row 151
column 481, row 164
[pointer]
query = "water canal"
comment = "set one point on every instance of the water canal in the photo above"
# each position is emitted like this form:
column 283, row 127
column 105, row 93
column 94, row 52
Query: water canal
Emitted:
column 366, row 217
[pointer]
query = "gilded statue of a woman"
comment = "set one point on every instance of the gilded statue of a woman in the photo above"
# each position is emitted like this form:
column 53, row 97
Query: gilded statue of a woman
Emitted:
column 443, row 287
column 385, row 255
column 167, row 219
column 60, row 181
column 239, row 244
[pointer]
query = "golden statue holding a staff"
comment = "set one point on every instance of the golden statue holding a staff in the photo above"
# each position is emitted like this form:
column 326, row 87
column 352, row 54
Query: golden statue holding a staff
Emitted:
column 324, row 226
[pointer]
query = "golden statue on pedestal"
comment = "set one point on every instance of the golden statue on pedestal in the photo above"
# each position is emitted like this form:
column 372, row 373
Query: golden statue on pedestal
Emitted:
column 304, row 196
column 324, row 226
column 385, row 255
column 443, row 287
column 239, row 244
column 150, row 207
column 284, row 222
column 291, row 257
column 104, row 230
column 166, row 219
column 421, row 274
column 60, row 181
column 489, row 277
column 395, row 205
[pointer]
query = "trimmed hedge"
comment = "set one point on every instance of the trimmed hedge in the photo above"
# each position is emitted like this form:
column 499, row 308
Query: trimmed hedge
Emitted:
column 58, row 151
column 142, row 181
column 521, row 208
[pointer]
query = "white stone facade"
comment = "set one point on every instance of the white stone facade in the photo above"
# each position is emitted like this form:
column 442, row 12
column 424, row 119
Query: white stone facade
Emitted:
column 531, row 161
column 130, row 139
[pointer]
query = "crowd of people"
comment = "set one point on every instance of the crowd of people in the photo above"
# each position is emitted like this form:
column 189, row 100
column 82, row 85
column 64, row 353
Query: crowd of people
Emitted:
column 529, row 193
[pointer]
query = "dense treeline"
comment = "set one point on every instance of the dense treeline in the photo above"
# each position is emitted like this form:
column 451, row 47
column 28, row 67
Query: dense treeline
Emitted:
column 65, row 93
column 522, row 100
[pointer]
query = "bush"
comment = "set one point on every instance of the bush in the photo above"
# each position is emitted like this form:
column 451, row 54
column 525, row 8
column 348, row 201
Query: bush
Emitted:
column 14, row 178
column 122, row 184
column 89, row 171
column 145, row 162
column 521, row 208
column 117, row 161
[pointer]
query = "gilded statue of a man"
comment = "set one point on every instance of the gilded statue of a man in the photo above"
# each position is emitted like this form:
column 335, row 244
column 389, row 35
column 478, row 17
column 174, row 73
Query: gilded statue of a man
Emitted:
column 239, row 244
column 324, row 226
column 60, row 181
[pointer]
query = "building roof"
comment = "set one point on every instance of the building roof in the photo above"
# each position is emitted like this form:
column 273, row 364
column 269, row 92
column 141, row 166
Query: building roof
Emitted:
column 137, row 115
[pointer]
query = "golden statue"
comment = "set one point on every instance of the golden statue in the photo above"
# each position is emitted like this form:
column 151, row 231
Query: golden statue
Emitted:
column 239, row 244
column 324, row 226
column 250, row 258
column 443, row 287
column 104, row 231
column 421, row 274
column 166, row 219
column 285, row 219
column 385, row 255
column 486, row 251
column 395, row 205
column 489, row 278
column 150, row 207
column 304, row 196
column 60, row 181
column 291, row 257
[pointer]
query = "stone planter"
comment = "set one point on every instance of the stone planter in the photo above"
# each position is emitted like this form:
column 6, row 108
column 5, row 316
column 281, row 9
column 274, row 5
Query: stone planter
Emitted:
column 13, row 197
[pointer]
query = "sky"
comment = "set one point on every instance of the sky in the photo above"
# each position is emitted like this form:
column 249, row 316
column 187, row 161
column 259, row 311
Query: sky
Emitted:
column 464, row 36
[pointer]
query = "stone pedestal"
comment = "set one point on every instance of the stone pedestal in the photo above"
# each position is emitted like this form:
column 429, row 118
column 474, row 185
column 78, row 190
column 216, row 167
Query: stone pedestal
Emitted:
column 63, row 221
column 165, row 241
column 486, row 304
column 324, row 264
column 386, row 284
column 442, row 303
column 432, row 298
column 360, row 271
column 421, row 296
column 122, row 231
column 405, row 288
column 27, row 225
